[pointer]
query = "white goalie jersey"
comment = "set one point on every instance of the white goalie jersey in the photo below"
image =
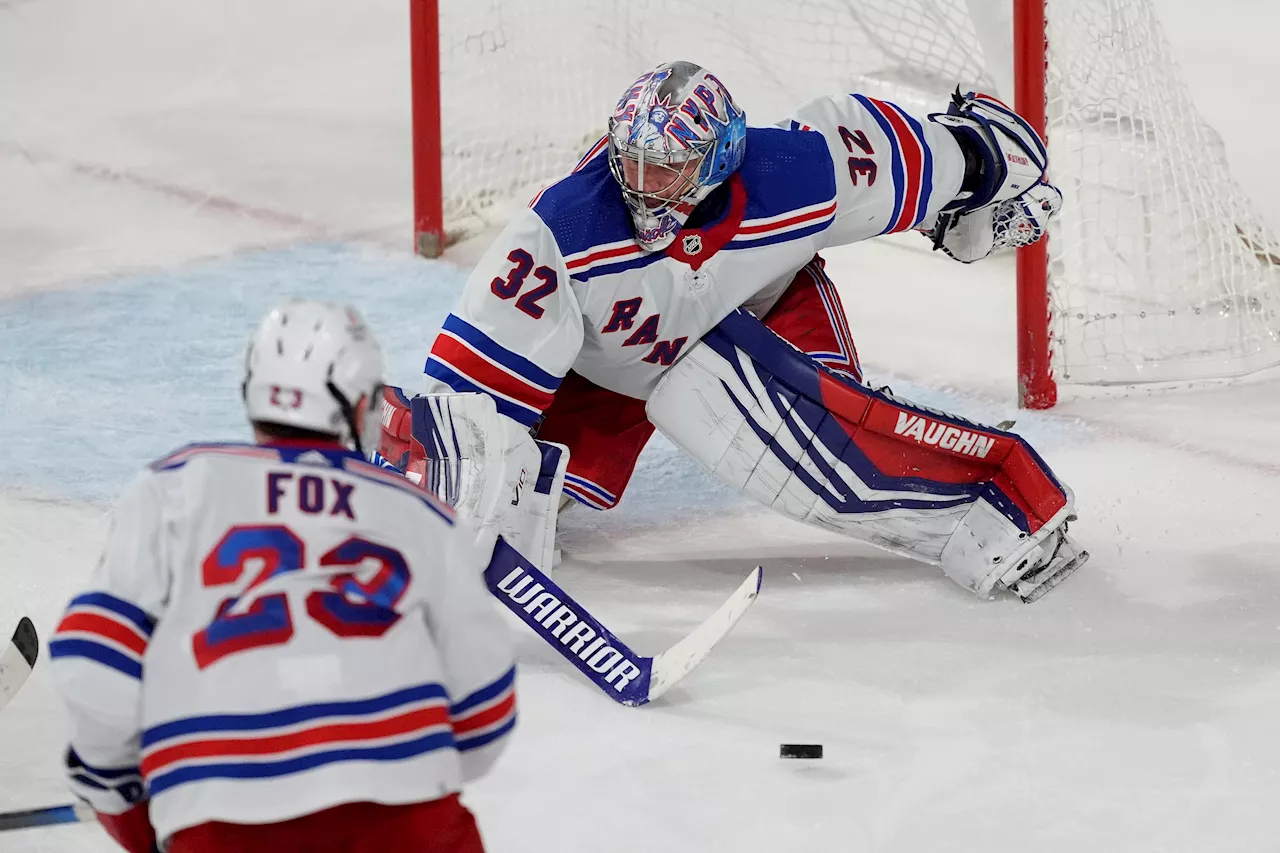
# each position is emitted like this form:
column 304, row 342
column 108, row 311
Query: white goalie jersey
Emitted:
column 274, row 630
column 567, row 286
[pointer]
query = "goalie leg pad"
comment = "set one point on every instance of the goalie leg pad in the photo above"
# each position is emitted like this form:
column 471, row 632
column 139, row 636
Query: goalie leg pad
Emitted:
column 826, row 450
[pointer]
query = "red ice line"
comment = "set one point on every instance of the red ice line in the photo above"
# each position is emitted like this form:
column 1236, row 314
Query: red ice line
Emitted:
column 200, row 198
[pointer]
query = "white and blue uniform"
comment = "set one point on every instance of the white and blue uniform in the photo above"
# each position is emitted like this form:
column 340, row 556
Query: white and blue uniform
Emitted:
column 275, row 630
column 567, row 285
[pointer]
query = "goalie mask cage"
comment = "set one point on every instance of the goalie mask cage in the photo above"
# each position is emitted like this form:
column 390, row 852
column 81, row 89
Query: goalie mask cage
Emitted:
column 1157, row 269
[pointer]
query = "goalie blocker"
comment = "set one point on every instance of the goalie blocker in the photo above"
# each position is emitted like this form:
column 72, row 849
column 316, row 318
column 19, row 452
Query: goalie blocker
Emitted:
column 826, row 450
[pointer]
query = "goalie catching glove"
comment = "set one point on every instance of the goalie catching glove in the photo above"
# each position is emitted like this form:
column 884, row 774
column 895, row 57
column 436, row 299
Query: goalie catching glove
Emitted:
column 1004, row 201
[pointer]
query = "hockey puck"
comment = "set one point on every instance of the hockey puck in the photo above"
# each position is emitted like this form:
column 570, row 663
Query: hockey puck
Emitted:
column 800, row 750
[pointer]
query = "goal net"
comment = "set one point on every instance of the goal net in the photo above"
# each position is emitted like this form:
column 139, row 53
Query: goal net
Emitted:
column 1159, row 266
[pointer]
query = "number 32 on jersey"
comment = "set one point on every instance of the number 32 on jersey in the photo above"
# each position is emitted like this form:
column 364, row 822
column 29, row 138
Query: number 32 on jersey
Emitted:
column 513, row 284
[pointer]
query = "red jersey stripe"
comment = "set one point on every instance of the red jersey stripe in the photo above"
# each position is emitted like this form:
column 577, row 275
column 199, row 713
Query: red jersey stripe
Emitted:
column 821, row 213
column 474, row 366
column 104, row 626
column 486, row 717
column 602, row 255
column 401, row 724
column 912, row 165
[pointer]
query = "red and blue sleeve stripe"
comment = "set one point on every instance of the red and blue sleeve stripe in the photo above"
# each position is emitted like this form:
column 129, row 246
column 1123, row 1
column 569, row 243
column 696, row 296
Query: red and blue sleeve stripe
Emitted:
column 468, row 360
column 911, row 163
column 486, row 715
column 107, row 630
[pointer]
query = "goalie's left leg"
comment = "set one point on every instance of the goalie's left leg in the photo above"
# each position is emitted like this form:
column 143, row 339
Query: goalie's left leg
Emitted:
column 822, row 448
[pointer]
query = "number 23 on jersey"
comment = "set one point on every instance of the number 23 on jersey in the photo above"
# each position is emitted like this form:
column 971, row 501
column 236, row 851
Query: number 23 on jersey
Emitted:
column 346, row 606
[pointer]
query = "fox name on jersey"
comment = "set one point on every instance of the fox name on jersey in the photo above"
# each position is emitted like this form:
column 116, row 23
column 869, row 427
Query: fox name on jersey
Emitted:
column 312, row 494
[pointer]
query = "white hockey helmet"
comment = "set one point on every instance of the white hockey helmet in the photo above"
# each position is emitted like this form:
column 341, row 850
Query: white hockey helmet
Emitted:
column 316, row 366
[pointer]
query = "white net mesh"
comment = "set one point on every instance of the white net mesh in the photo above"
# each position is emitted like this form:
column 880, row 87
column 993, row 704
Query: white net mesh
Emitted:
column 1160, row 268
column 527, row 87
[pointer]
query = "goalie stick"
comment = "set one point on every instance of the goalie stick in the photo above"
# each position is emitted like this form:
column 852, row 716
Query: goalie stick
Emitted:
column 18, row 660
column 609, row 663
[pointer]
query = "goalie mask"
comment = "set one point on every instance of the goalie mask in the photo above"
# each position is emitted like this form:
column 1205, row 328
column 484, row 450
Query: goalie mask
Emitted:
column 675, row 135
column 316, row 366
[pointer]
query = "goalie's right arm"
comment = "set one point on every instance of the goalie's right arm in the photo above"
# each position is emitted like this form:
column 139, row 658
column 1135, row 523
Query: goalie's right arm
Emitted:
column 493, row 370
column 516, row 330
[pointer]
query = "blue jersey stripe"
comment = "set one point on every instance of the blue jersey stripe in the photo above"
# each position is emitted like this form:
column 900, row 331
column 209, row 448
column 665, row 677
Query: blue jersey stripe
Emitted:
column 103, row 772
column 269, row 769
column 185, row 454
column 519, row 413
column 780, row 238
column 926, row 179
column 118, row 606
column 291, row 716
column 465, row 744
column 105, row 655
column 895, row 167
column 621, row 266
column 594, row 488
column 487, row 346
column 484, row 694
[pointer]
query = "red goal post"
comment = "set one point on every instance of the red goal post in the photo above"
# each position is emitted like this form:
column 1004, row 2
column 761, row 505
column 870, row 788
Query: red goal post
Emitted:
column 1158, row 268
column 428, row 178
column 1036, row 386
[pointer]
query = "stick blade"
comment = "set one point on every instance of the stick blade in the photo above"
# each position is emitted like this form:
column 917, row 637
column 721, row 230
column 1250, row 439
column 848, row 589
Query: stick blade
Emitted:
column 681, row 659
column 17, row 660
column 26, row 641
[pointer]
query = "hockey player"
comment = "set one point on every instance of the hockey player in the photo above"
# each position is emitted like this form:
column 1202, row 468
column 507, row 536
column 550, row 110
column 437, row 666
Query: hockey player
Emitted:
column 673, row 280
column 283, row 646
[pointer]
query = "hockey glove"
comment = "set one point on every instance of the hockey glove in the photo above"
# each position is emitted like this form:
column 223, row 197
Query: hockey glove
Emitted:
column 971, row 236
column 1004, row 156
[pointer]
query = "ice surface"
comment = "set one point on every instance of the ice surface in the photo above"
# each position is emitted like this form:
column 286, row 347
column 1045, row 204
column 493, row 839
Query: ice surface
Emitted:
column 170, row 169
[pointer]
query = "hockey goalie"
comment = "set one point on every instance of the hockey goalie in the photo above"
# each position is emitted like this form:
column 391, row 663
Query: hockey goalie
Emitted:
column 673, row 281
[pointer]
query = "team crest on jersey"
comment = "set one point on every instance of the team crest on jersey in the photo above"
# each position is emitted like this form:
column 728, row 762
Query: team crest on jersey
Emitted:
column 665, row 225
column 692, row 244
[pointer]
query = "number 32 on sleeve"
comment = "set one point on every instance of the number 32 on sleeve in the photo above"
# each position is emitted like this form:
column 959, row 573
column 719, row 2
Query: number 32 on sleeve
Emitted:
column 511, row 286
